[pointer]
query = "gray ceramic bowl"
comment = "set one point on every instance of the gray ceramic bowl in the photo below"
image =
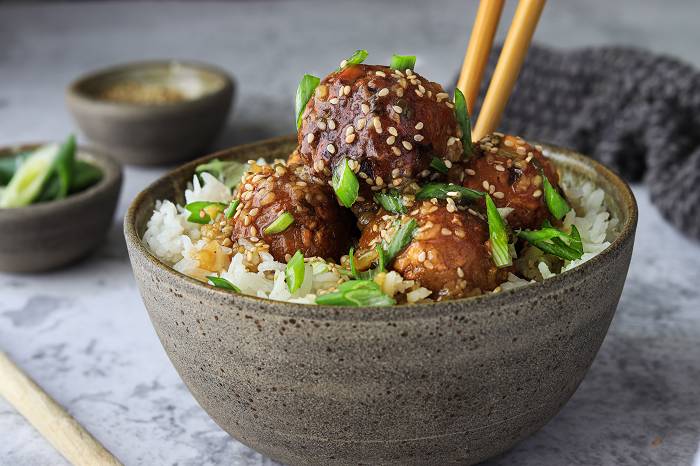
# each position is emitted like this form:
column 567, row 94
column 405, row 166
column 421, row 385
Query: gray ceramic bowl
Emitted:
column 143, row 134
column 451, row 382
column 45, row 236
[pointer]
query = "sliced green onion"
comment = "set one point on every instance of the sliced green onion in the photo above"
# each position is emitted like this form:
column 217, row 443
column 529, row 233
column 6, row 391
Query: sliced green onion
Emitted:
column 391, row 201
column 400, row 240
column 498, row 235
column 294, row 273
column 556, row 203
column 231, row 209
column 439, row 165
column 345, row 184
column 64, row 166
column 355, row 59
column 28, row 181
column 10, row 164
column 203, row 211
column 280, row 224
column 462, row 114
column 223, row 283
column 552, row 241
column 356, row 293
column 371, row 273
column 445, row 190
column 306, row 89
column 403, row 62
column 229, row 172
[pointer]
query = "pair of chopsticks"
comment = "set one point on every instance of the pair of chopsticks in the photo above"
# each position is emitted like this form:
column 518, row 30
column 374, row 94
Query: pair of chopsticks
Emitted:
column 510, row 61
column 50, row 419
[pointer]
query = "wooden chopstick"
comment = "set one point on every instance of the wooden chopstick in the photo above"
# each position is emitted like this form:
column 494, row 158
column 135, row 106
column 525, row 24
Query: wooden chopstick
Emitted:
column 50, row 419
column 509, row 63
column 477, row 55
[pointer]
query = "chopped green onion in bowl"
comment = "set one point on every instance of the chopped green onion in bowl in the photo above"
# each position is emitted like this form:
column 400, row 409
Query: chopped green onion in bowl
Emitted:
column 403, row 62
column 345, row 184
column 355, row 59
column 280, row 224
column 439, row 165
column 294, row 272
column 401, row 239
column 556, row 203
column 231, row 209
column 391, row 201
column 204, row 211
column 498, row 235
column 27, row 182
column 306, row 89
column 552, row 241
column 445, row 190
column 356, row 293
column 462, row 114
column 219, row 282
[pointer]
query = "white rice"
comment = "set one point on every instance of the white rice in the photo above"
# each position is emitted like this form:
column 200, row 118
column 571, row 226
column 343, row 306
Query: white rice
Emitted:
column 177, row 242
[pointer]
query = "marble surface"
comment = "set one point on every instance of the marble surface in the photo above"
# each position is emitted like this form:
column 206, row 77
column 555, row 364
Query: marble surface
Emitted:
column 84, row 335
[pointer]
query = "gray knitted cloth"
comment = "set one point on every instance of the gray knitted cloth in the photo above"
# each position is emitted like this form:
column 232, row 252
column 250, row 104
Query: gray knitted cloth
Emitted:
column 635, row 111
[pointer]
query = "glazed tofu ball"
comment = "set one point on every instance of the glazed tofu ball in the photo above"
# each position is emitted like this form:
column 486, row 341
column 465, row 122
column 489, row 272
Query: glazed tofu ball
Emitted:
column 511, row 170
column 321, row 227
column 389, row 124
column 449, row 253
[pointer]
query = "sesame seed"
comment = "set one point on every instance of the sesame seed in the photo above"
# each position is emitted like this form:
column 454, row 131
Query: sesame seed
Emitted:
column 381, row 73
column 333, row 101
column 365, row 108
column 310, row 138
column 421, row 256
column 451, row 141
column 377, row 124
column 301, row 183
column 451, row 207
column 499, row 134
column 383, row 92
column 486, row 185
column 409, row 72
column 248, row 187
column 346, row 90
column 397, row 109
column 521, row 150
column 529, row 157
column 399, row 91
column 349, row 130
column 538, row 147
column 396, row 150
column 441, row 95
column 499, row 168
column 450, row 105
column 254, row 212
column 246, row 220
column 393, row 131
column 418, row 137
column 391, row 140
column 398, row 73
column 537, row 193
column 460, row 272
column 350, row 138
column 499, row 195
column 379, row 181
column 407, row 145
column 492, row 189
column 331, row 124
column 448, row 164
column 419, row 125
column 321, row 125
column 421, row 89
column 343, row 63
column 330, row 148
column 360, row 124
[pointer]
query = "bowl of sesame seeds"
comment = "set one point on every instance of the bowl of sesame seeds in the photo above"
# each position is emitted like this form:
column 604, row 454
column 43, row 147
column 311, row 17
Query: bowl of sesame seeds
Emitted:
column 152, row 113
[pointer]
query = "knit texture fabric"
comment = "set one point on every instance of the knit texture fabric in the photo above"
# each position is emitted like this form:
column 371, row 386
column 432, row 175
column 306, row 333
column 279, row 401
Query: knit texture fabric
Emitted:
column 635, row 111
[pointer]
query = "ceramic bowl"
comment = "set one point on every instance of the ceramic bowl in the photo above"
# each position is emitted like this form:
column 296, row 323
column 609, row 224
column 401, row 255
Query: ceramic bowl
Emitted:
column 450, row 382
column 49, row 235
column 143, row 134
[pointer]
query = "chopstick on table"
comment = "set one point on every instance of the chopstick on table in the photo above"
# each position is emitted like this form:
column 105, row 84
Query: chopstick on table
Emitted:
column 477, row 55
column 50, row 419
column 515, row 47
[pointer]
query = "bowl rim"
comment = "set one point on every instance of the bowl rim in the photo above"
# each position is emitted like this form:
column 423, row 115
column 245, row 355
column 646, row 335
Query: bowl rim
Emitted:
column 75, row 94
column 111, row 176
column 484, row 302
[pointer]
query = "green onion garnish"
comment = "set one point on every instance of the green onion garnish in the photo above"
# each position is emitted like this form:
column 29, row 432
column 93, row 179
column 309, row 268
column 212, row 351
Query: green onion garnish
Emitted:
column 403, row 62
column 439, row 165
column 498, row 235
column 391, row 201
column 552, row 241
column 357, row 293
column 464, row 121
column 355, row 59
column 294, row 273
column 203, row 211
column 445, row 190
column 306, row 89
column 223, row 283
column 280, row 224
column 345, row 184
column 400, row 240
column 371, row 273
column 229, row 172
column 65, row 161
column 231, row 209
column 556, row 203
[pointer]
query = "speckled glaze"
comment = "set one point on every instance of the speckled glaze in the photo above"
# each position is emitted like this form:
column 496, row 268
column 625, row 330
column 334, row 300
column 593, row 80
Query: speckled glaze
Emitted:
column 48, row 235
column 151, row 134
column 451, row 382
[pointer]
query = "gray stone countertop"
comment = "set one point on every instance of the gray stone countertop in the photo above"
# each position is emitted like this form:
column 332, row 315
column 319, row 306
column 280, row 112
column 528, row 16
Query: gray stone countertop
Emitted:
column 83, row 333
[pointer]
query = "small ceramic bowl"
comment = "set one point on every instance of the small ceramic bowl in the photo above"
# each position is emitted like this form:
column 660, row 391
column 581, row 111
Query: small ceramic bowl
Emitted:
column 152, row 113
column 442, row 383
column 49, row 235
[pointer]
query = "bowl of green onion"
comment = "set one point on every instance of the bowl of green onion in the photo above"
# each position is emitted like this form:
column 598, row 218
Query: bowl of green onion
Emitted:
column 57, row 201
